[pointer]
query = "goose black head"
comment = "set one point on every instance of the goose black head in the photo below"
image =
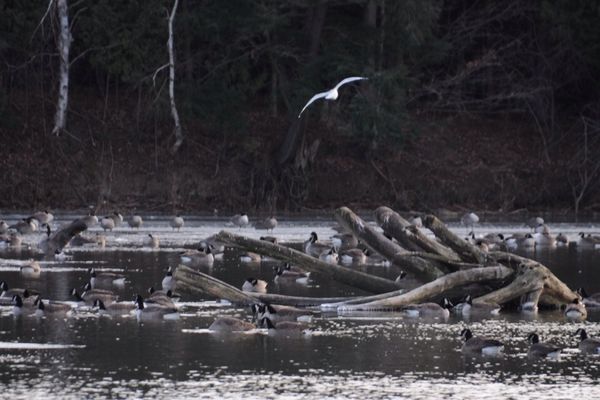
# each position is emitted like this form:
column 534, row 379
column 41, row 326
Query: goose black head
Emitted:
column 3, row 286
column 17, row 301
column 447, row 304
column 87, row 287
column 533, row 338
column 466, row 334
column 48, row 230
column 99, row 304
column 151, row 290
column 468, row 299
column 267, row 323
column 313, row 237
column 41, row 305
column 582, row 333
column 139, row 302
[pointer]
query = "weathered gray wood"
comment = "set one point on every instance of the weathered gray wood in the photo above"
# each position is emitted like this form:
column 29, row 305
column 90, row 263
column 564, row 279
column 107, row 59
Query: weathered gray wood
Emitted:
column 198, row 282
column 409, row 236
column 423, row 269
column 357, row 279
column 464, row 249
column 527, row 280
column 435, row 288
column 297, row 301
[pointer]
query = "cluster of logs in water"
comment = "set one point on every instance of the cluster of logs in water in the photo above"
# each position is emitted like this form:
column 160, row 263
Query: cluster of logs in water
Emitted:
column 445, row 265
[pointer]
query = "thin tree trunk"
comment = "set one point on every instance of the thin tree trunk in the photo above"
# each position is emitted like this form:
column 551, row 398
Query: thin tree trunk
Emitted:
column 64, row 46
column 174, row 113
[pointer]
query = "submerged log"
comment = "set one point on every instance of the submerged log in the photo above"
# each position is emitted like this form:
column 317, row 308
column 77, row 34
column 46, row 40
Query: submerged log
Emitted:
column 357, row 279
column 434, row 289
column 423, row 269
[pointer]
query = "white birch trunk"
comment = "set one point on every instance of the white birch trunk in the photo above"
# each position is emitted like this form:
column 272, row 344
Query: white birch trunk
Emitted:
column 178, row 133
column 64, row 45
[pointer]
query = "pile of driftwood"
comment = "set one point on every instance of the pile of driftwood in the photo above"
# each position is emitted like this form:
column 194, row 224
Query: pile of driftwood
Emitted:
column 444, row 265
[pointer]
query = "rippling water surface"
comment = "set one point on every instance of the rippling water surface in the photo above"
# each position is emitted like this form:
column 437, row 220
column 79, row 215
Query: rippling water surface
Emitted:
column 361, row 356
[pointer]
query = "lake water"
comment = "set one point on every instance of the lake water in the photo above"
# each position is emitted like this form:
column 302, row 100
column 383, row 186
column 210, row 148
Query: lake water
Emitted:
column 366, row 356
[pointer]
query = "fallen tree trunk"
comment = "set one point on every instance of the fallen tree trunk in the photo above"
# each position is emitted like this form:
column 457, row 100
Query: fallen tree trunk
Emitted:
column 423, row 269
column 357, row 279
column 465, row 250
column 433, row 289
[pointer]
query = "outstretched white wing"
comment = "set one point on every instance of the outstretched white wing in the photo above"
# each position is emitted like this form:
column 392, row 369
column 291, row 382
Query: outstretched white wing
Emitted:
column 315, row 97
column 348, row 80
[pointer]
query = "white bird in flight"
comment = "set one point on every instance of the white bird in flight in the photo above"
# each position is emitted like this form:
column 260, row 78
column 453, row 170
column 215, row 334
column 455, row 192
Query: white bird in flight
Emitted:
column 333, row 93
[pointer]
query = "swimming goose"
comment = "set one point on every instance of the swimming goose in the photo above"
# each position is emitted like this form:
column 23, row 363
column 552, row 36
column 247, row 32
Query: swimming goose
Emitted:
column 535, row 222
column 283, row 327
column 202, row 257
column 353, row 257
column 176, row 222
column 61, row 238
column 8, row 294
column 344, row 241
column 288, row 274
column 168, row 283
column 494, row 241
column 119, row 308
column 135, row 221
column 230, row 324
column 429, row 309
column 539, row 349
column 43, row 217
column 89, row 296
column 3, row 227
column 267, row 224
column 480, row 345
column 469, row 220
column 26, row 226
column 153, row 241
column 152, row 312
column 586, row 344
column 544, row 238
column 586, row 241
column 18, row 305
column 161, row 297
column 278, row 314
column 32, row 269
column 107, row 223
column 330, row 256
column 117, row 217
column 575, row 310
column 240, row 220
column 561, row 239
column 90, row 220
column 590, row 301
column 313, row 247
column 50, row 308
column 105, row 279
column 467, row 307
column 254, row 285
column 520, row 240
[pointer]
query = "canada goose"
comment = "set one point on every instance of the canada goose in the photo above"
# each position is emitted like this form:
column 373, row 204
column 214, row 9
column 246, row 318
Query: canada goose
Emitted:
column 416, row 221
column 494, row 241
column 470, row 308
column 544, row 238
column 288, row 274
column 50, row 308
column 10, row 292
column 153, row 241
column 161, row 297
column 353, row 257
column 240, row 220
column 90, row 220
column 176, row 222
column 344, row 241
column 575, row 310
column 168, row 283
column 43, row 217
column 230, row 324
column 26, row 226
column 3, row 227
column 330, row 256
column 539, row 349
column 89, row 296
column 135, row 221
column 268, row 224
column 254, row 285
column 270, row 239
column 107, row 223
column 151, row 312
column 286, row 328
column 535, row 222
column 469, row 220
column 590, row 301
column 480, row 345
column 17, row 302
column 15, row 241
column 586, row 241
column 521, row 241
column 202, row 257
column 561, row 239
column 250, row 257
column 586, row 344
column 118, row 308
column 117, row 217
column 105, row 279
column 429, row 309
column 80, row 240
column 400, row 277
column 32, row 269
column 278, row 314
column 61, row 238
column 313, row 247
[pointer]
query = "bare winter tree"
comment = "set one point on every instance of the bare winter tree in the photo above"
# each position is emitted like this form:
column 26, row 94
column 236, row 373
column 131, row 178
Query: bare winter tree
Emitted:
column 174, row 113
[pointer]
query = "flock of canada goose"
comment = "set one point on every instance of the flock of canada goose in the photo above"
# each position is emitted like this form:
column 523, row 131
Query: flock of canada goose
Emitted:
column 342, row 248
